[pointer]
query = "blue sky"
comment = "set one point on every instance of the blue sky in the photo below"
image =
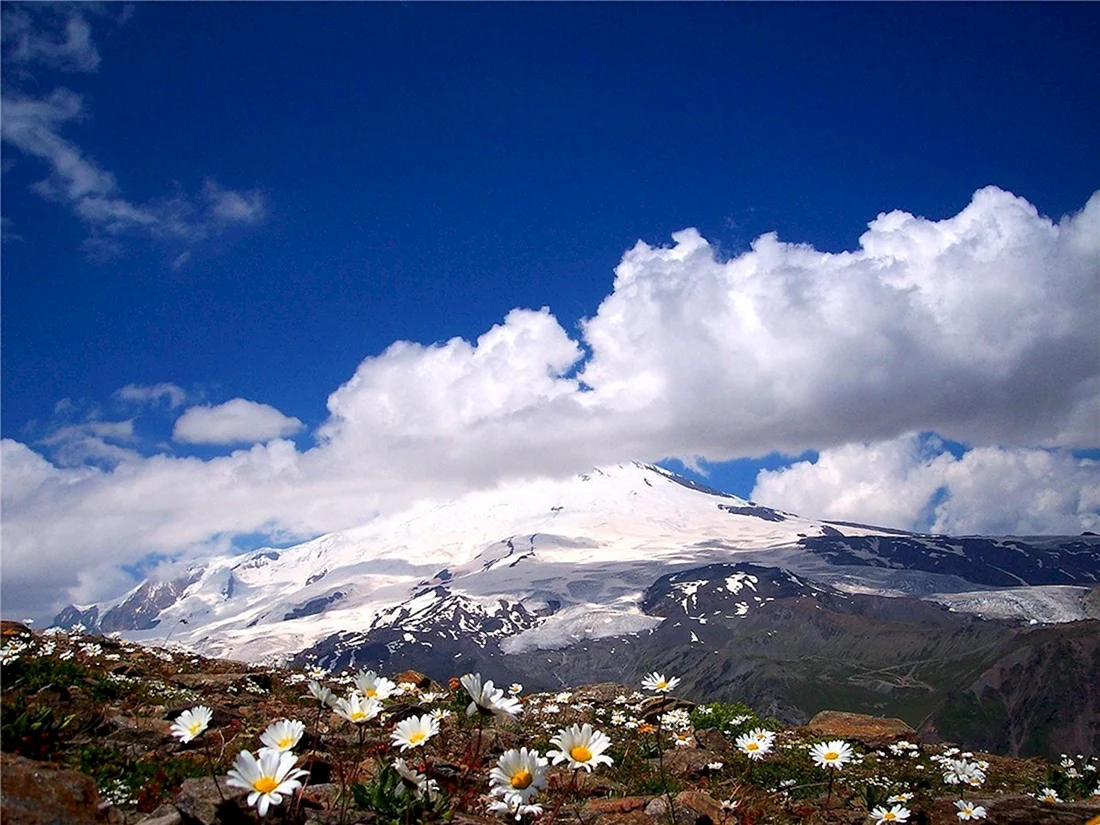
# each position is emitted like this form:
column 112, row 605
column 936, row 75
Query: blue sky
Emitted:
column 234, row 210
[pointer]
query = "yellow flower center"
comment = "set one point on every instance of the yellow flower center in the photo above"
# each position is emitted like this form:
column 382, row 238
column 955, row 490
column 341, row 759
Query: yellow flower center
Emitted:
column 521, row 780
column 752, row 746
column 580, row 754
column 831, row 755
column 372, row 692
column 416, row 738
column 889, row 816
column 356, row 715
column 265, row 784
column 662, row 685
column 195, row 728
column 286, row 743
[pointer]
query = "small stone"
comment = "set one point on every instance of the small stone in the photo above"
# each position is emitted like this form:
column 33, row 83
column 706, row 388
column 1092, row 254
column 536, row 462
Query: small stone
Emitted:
column 616, row 805
column 199, row 802
column 170, row 818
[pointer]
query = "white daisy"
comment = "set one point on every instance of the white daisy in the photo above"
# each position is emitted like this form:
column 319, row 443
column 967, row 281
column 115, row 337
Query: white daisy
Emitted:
column 414, row 731
column 191, row 723
column 658, row 683
column 753, row 747
column 355, row 710
column 961, row 772
column 519, row 774
column 283, row 735
column 581, row 747
column 968, row 810
column 321, row 693
column 896, row 814
column 413, row 782
column 269, row 778
column 514, row 808
column 1049, row 795
column 833, row 754
column 373, row 686
column 763, row 735
column 488, row 700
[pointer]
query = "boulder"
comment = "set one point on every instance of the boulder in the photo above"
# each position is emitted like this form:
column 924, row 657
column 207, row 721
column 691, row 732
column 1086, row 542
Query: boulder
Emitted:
column 41, row 793
column 419, row 679
column 14, row 630
column 870, row 731
column 1020, row 809
column 656, row 706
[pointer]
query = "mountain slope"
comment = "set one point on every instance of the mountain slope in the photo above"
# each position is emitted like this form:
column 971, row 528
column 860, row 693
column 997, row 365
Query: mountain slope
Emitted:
column 622, row 569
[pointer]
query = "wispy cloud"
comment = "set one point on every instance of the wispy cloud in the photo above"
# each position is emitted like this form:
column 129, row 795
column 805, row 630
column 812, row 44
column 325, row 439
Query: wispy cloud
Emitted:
column 35, row 125
column 171, row 394
column 92, row 442
column 980, row 327
column 65, row 44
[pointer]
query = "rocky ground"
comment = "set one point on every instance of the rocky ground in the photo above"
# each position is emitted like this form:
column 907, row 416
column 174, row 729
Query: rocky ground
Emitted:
column 87, row 737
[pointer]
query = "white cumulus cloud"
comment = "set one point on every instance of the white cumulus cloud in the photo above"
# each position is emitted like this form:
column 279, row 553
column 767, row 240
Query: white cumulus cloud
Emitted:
column 234, row 422
column 903, row 483
column 980, row 328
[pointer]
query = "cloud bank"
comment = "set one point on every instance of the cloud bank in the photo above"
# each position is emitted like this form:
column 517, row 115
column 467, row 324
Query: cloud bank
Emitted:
column 980, row 328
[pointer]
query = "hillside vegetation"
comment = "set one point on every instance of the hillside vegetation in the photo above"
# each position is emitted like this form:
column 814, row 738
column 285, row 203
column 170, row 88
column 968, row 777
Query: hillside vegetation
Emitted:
column 99, row 730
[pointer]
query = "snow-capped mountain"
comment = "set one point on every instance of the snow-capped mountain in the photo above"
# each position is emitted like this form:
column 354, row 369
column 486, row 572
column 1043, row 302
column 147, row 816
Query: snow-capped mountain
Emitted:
column 543, row 563
column 624, row 568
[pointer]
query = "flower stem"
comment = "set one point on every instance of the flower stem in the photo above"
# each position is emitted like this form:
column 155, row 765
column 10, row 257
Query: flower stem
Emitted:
column 664, row 775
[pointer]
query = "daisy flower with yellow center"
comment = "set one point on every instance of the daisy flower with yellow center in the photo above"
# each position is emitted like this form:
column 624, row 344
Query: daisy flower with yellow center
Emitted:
column 191, row 723
column 373, row 686
column 581, row 747
column 414, row 731
column 658, row 683
column 752, row 746
column 283, row 735
column 968, row 810
column 518, row 775
column 355, row 710
column 833, row 755
column 268, row 779
column 895, row 814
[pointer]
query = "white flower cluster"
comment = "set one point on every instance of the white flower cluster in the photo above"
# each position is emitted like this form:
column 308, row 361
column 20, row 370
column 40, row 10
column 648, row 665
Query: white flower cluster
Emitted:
column 905, row 748
column 521, row 773
column 961, row 769
column 756, row 743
